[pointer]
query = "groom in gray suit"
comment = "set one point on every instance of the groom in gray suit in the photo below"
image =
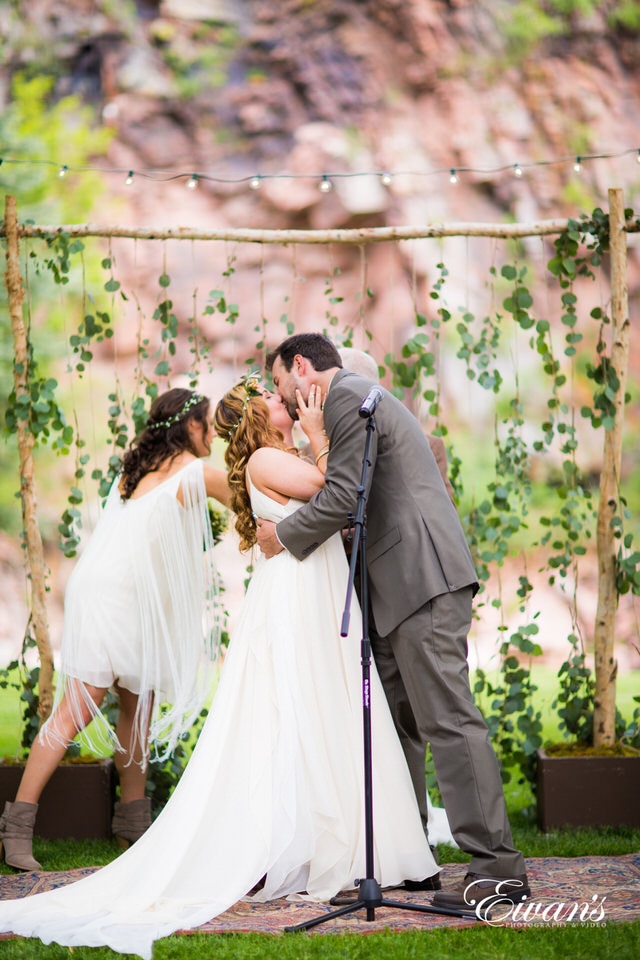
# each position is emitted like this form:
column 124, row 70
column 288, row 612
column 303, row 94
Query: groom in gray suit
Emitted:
column 421, row 584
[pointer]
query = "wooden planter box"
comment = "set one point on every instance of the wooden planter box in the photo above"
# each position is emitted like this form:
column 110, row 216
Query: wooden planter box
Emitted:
column 77, row 803
column 588, row 791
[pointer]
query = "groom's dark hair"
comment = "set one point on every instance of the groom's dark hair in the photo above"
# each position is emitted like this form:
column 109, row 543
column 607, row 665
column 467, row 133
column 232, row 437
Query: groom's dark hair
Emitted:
column 315, row 347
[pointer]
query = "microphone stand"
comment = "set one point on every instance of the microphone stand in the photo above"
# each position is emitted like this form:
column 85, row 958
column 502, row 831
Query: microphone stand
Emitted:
column 369, row 890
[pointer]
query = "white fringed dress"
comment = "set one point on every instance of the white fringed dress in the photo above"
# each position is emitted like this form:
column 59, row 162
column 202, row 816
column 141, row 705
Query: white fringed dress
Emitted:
column 140, row 609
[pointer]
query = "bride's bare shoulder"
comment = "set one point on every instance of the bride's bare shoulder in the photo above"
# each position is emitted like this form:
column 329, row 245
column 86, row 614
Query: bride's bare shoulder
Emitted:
column 266, row 460
column 267, row 455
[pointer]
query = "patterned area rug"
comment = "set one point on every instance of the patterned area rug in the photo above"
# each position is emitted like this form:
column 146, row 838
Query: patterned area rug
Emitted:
column 580, row 890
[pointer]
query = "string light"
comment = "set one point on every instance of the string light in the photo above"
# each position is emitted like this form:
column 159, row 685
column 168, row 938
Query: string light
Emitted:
column 326, row 181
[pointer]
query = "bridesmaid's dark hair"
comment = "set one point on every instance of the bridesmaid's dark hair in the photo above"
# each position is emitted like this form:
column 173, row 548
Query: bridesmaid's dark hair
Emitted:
column 164, row 437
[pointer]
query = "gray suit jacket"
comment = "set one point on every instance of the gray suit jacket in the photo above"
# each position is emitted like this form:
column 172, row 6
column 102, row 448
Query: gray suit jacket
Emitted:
column 416, row 548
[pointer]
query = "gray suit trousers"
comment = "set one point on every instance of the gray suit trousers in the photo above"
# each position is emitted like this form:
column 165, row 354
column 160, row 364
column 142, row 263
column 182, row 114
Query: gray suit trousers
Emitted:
column 424, row 671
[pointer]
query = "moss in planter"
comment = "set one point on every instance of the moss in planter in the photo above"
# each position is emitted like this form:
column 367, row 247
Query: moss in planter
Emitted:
column 618, row 749
column 84, row 758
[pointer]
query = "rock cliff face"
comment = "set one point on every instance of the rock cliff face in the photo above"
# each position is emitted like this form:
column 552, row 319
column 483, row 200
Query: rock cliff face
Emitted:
column 415, row 88
column 290, row 90
column 233, row 88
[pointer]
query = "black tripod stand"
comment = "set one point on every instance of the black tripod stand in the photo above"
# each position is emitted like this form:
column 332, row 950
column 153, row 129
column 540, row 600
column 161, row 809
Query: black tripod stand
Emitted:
column 369, row 890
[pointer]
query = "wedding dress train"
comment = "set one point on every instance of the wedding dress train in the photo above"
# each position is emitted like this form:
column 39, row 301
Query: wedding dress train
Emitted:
column 274, row 787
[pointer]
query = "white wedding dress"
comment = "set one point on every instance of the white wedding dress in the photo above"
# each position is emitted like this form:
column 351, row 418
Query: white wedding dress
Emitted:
column 275, row 783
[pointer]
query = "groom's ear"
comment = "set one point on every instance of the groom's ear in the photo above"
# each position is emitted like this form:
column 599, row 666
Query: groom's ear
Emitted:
column 301, row 365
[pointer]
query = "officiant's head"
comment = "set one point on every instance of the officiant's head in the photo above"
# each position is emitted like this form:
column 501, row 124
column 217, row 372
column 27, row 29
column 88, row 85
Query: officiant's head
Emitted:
column 360, row 362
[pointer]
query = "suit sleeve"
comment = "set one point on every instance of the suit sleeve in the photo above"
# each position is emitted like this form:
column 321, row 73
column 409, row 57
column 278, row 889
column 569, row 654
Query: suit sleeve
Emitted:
column 329, row 510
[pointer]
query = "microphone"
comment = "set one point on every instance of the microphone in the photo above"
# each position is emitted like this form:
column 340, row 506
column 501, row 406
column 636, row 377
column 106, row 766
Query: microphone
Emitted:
column 370, row 402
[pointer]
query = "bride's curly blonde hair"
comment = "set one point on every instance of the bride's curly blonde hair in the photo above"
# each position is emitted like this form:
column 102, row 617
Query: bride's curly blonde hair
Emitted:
column 242, row 419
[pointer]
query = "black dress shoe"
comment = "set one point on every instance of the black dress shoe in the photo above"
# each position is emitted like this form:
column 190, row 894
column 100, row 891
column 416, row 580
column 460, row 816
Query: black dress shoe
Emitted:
column 429, row 883
column 476, row 888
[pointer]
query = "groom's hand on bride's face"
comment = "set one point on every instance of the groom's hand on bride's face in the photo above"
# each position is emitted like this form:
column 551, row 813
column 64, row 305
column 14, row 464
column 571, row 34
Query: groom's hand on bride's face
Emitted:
column 267, row 539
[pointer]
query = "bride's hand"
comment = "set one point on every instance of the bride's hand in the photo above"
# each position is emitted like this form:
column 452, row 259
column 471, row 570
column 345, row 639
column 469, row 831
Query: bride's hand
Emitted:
column 310, row 416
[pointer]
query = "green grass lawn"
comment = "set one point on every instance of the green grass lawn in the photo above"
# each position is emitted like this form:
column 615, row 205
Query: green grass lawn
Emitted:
column 621, row 941
column 480, row 943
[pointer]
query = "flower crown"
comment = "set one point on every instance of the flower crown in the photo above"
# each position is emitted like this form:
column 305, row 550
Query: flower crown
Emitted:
column 251, row 383
column 193, row 401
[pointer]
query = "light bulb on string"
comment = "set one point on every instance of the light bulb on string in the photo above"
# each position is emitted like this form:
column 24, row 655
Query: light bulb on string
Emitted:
column 324, row 181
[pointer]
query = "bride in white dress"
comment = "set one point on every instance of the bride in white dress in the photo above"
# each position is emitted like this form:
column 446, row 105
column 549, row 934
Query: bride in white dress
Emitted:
column 273, row 793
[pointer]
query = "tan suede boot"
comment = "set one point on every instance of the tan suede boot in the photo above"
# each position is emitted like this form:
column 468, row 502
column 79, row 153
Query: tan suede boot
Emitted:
column 16, row 835
column 130, row 820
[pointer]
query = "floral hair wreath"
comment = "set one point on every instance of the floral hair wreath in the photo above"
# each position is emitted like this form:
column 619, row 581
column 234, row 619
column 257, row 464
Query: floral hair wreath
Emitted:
column 193, row 401
column 252, row 388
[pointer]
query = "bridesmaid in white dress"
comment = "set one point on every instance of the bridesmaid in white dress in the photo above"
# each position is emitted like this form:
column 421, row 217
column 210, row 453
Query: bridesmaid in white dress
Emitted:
column 273, row 794
column 140, row 616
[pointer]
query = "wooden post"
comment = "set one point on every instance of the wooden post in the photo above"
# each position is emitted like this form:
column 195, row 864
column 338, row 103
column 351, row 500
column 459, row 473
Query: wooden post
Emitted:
column 33, row 540
column 609, row 507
